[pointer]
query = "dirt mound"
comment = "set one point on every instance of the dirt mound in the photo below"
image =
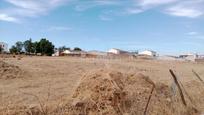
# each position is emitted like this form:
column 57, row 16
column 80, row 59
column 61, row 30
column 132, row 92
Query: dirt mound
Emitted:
column 114, row 93
column 8, row 71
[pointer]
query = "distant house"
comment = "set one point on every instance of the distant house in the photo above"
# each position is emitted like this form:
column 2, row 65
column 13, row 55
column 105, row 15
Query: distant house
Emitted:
column 117, row 51
column 66, row 52
column 189, row 57
column 148, row 53
column 4, row 46
column 60, row 53
column 57, row 53
column 133, row 52
column 200, row 57
column 73, row 53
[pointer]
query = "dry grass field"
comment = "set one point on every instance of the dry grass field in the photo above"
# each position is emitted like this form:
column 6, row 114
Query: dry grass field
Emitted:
column 51, row 82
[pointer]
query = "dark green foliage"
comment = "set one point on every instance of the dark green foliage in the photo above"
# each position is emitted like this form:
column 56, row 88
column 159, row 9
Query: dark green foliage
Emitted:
column 1, row 49
column 13, row 50
column 46, row 47
column 36, row 47
column 29, row 46
column 19, row 46
column 77, row 49
column 63, row 48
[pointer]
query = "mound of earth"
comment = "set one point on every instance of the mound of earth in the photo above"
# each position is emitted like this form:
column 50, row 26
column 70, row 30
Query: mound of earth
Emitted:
column 114, row 93
column 8, row 71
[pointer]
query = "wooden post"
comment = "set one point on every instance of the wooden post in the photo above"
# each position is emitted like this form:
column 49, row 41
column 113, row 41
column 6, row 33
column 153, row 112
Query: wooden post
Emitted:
column 198, row 76
column 179, row 87
column 187, row 94
column 150, row 96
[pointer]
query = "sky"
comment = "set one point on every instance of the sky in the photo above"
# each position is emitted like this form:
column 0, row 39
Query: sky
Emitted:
column 166, row 26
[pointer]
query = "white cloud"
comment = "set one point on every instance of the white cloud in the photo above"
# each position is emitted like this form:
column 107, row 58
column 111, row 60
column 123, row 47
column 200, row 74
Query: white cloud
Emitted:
column 184, row 12
column 19, row 9
column 26, row 4
column 179, row 8
column 30, row 8
column 133, row 11
column 192, row 33
column 139, row 6
column 4, row 17
column 37, row 4
column 150, row 3
column 190, row 9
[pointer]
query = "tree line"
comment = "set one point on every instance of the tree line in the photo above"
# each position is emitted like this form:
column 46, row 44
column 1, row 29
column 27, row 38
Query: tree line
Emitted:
column 43, row 47
column 63, row 48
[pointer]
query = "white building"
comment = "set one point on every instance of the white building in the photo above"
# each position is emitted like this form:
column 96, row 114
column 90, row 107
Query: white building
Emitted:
column 117, row 51
column 57, row 53
column 66, row 52
column 73, row 53
column 200, row 57
column 189, row 57
column 148, row 53
column 4, row 46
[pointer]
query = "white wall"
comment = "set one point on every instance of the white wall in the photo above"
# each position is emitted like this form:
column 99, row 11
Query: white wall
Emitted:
column 66, row 52
column 114, row 51
column 149, row 53
column 4, row 46
column 191, row 57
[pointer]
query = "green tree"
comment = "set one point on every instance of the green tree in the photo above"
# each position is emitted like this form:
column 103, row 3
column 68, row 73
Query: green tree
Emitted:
column 1, row 49
column 36, row 47
column 77, row 49
column 19, row 46
column 61, row 49
column 46, row 47
column 28, row 46
column 13, row 50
